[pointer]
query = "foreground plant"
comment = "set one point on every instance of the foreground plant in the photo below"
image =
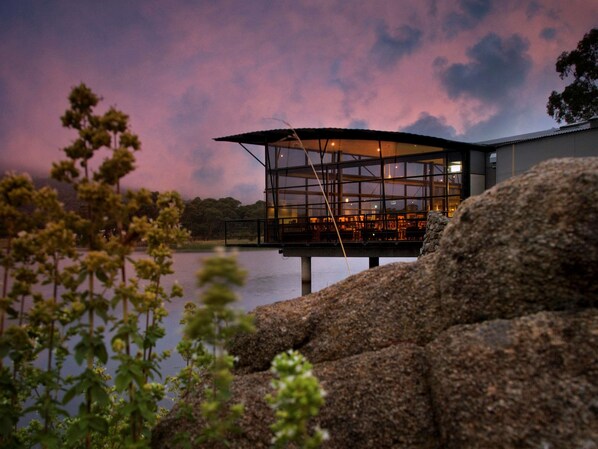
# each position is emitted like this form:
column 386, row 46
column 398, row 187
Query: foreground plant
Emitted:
column 297, row 399
column 88, row 294
column 214, row 323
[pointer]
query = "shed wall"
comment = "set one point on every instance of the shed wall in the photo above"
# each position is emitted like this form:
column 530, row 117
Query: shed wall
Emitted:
column 514, row 159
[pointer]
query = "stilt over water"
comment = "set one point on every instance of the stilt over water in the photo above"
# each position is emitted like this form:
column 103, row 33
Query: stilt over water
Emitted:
column 305, row 276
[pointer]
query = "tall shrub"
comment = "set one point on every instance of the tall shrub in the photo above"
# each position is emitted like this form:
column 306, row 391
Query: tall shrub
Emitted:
column 97, row 287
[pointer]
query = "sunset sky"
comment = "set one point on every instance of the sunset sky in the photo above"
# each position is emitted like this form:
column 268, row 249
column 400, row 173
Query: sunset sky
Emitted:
column 187, row 71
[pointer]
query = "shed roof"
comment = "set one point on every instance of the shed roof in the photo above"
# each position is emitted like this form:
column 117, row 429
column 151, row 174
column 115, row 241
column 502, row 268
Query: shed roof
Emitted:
column 565, row 129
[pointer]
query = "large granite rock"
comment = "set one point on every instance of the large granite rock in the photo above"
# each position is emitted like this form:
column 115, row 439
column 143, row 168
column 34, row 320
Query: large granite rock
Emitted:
column 368, row 311
column 373, row 400
column 490, row 341
column 530, row 382
column 526, row 245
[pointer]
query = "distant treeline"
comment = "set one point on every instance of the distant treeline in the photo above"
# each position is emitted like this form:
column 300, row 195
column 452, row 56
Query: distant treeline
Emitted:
column 204, row 218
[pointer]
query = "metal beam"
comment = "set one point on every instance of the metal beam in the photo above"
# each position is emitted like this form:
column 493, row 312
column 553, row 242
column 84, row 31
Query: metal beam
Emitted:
column 254, row 156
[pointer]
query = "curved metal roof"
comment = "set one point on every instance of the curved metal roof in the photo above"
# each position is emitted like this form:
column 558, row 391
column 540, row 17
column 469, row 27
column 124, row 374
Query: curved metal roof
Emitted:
column 276, row 135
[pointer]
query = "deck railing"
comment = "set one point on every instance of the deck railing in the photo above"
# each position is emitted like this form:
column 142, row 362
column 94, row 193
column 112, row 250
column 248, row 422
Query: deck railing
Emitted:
column 408, row 226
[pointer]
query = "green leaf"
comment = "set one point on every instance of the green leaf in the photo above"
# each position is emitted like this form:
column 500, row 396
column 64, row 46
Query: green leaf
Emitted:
column 101, row 275
column 81, row 350
column 98, row 423
column 100, row 351
column 122, row 381
column 70, row 394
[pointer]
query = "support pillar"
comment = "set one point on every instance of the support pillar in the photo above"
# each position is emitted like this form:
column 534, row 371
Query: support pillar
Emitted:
column 374, row 262
column 305, row 276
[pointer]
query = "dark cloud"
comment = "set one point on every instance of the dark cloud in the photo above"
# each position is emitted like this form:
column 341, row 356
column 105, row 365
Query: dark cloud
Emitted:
column 509, row 121
column 498, row 125
column 472, row 12
column 191, row 107
column 358, row 124
column 548, row 34
column 433, row 8
column 478, row 9
column 208, row 175
column 390, row 47
column 430, row 125
column 496, row 67
column 535, row 9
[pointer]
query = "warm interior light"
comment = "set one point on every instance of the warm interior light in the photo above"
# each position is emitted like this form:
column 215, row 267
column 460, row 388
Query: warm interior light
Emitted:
column 455, row 167
column 332, row 143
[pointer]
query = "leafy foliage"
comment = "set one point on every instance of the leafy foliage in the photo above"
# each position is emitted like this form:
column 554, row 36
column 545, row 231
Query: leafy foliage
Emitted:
column 88, row 290
column 579, row 100
column 214, row 323
column 298, row 398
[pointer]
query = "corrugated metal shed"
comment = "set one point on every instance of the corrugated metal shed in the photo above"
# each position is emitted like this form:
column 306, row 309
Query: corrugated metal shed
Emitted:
column 566, row 129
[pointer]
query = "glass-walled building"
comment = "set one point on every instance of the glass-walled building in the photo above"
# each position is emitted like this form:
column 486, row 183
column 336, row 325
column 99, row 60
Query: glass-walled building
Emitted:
column 378, row 186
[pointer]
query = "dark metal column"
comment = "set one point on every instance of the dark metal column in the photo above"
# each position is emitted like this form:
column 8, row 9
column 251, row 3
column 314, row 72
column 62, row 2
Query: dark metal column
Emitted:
column 305, row 276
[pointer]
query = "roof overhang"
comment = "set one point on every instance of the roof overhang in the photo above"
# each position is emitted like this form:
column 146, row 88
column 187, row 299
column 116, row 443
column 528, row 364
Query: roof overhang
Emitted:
column 281, row 135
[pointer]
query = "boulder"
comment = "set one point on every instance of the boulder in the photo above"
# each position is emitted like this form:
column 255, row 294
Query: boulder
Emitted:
column 365, row 312
column 526, row 245
column 530, row 382
column 373, row 400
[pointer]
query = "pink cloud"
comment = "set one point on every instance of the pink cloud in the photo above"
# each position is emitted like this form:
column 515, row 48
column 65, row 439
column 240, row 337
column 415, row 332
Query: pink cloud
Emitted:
column 186, row 74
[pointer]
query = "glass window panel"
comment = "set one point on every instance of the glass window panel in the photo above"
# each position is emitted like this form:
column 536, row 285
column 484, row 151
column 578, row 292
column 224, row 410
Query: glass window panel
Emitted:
column 288, row 181
column 350, row 187
column 454, row 180
column 438, row 169
column 295, row 158
column 351, row 171
column 317, row 210
column 415, row 169
column 438, row 191
column 370, row 206
column 371, row 170
column 415, row 191
column 395, row 205
column 393, row 170
column 286, row 198
column 414, row 205
column 370, row 188
column 439, row 204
